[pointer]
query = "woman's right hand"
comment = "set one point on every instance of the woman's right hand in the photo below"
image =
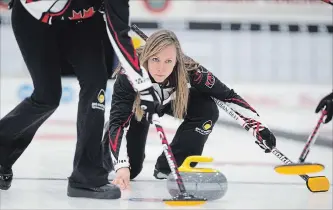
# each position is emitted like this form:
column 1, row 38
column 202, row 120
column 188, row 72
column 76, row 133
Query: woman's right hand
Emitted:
column 122, row 179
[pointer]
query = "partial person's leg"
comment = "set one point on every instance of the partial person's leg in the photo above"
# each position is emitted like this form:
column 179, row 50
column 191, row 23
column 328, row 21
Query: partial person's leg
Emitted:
column 39, row 49
column 85, row 52
column 82, row 42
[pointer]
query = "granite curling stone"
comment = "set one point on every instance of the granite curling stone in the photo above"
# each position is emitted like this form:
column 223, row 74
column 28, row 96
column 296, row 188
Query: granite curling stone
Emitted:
column 200, row 182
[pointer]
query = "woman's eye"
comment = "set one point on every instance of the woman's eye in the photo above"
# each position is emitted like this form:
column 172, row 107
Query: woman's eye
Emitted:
column 169, row 61
column 155, row 59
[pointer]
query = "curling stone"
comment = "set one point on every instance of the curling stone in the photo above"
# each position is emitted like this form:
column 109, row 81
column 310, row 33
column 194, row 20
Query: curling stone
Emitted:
column 201, row 182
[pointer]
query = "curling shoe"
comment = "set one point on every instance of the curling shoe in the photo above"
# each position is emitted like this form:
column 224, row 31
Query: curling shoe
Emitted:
column 158, row 174
column 108, row 191
column 6, row 177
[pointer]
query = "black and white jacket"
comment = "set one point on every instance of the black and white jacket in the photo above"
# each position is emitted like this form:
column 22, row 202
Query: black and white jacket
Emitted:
column 124, row 96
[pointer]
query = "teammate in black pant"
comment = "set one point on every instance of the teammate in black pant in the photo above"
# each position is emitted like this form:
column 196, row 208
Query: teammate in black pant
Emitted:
column 47, row 32
column 170, row 72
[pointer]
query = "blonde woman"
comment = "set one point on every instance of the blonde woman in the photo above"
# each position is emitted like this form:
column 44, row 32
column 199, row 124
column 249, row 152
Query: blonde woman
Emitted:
column 185, row 89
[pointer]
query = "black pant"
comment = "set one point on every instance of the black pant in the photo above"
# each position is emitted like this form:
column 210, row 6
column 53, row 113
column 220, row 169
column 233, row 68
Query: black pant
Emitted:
column 189, row 139
column 44, row 48
column 111, row 60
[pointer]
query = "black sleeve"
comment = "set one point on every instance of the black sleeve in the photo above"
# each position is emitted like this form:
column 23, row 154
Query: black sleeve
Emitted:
column 120, row 116
column 117, row 23
column 205, row 82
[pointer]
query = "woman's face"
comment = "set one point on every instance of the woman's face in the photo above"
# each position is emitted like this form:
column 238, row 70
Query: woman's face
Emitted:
column 161, row 65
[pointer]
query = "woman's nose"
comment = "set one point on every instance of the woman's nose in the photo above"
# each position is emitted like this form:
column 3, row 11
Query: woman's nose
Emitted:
column 160, row 67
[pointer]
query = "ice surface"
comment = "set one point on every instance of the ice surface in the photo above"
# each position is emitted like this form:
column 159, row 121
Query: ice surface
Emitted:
column 40, row 175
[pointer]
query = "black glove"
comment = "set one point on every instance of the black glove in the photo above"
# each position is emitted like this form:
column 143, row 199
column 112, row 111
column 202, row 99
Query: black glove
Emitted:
column 10, row 4
column 150, row 102
column 326, row 102
column 266, row 140
column 158, row 111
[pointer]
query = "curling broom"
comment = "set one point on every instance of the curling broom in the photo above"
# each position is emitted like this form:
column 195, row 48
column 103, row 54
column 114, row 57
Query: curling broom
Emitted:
column 183, row 198
column 301, row 167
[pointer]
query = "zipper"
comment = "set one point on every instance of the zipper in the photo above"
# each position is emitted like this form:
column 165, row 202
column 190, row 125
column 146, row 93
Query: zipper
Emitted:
column 162, row 93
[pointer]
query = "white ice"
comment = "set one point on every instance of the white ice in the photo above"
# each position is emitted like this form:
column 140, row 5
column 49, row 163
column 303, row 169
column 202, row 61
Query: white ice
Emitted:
column 40, row 175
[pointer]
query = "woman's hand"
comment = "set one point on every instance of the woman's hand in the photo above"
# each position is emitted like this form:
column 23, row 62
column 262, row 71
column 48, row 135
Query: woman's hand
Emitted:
column 122, row 179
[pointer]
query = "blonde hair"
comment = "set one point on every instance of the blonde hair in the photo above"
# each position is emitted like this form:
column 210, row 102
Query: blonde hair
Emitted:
column 154, row 44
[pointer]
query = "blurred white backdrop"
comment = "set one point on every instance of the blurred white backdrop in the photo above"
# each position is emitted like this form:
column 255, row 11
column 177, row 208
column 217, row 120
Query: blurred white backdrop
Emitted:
column 277, row 54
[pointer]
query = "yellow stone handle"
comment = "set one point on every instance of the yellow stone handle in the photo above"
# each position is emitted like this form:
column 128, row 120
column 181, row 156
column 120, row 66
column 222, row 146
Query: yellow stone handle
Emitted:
column 136, row 42
column 186, row 167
